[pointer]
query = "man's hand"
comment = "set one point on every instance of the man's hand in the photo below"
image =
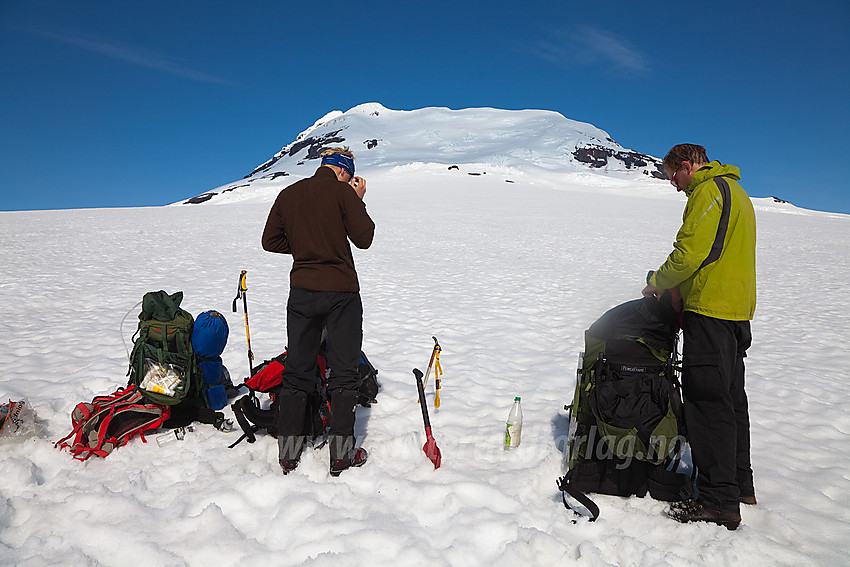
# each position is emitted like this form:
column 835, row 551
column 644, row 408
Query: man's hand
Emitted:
column 652, row 291
column 359, row 185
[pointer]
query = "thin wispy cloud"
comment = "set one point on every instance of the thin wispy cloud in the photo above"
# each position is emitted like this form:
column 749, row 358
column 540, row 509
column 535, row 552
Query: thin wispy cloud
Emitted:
column 587, row 46
column 131, row 54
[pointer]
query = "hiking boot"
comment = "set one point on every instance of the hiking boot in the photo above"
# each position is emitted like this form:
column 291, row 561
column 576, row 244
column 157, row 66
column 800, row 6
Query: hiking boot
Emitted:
column 749, row 500
column 289, row 451
column 692, row 511
column 360, row 456
column 288, row 466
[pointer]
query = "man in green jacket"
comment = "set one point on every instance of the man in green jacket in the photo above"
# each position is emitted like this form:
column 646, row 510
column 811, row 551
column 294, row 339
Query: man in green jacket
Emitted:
column 713, row 265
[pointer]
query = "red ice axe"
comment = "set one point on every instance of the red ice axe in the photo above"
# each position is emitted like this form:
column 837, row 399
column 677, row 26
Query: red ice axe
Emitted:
column 430, row 447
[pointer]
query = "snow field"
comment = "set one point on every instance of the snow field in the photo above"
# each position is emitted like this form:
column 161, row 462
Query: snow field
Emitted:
column 507, row 276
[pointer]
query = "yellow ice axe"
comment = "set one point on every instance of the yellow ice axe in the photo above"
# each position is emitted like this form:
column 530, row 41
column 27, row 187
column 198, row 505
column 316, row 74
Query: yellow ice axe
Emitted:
column 435, row 356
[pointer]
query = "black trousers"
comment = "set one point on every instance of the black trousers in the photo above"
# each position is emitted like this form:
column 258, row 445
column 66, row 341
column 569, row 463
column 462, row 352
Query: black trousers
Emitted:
column 716, row 409
column 307, row 313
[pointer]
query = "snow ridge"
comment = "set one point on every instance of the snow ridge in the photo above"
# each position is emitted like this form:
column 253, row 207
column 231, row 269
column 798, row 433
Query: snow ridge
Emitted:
column 530, row 140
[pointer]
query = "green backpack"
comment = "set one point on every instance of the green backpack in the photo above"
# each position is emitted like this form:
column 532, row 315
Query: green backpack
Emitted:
column 626, row 387
column 163, row 365
column 626, row 420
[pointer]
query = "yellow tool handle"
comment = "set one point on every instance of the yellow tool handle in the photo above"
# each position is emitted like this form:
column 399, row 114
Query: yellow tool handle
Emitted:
column 435, row 355
column 438, row 371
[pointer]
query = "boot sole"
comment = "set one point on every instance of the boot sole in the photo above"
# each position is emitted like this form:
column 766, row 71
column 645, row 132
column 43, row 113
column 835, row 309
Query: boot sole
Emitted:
column 336, row 472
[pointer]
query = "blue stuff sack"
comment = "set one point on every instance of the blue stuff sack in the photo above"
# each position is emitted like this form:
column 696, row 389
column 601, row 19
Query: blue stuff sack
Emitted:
column 209, row 338
column 213, row 389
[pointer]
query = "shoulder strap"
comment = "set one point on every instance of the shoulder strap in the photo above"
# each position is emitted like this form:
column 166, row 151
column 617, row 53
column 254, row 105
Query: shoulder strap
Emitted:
column 565, row 487
column 723, row 225
column 251, row 418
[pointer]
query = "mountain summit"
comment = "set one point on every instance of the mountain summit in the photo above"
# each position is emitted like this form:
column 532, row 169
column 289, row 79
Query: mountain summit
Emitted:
column 508, row 140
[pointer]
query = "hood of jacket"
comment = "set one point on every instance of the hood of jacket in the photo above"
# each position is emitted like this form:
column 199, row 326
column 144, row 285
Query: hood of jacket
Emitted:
column 713, row 169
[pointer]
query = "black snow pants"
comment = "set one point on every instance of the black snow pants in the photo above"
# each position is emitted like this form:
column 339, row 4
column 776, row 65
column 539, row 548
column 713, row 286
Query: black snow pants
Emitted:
column 716, row 409
column 307, row 312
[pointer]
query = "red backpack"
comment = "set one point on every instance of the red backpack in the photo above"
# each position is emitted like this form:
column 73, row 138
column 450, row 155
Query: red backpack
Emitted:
column 111, row 421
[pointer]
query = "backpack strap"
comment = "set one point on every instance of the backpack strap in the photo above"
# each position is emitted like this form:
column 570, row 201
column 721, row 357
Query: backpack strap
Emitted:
column 248, row 430
column 95, row 445
column 723, row 225
column 565, row 487
column 251, row 418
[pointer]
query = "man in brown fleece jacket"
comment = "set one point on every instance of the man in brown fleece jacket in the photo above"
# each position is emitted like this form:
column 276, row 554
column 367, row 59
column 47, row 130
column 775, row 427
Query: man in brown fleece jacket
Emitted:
column 313, row 220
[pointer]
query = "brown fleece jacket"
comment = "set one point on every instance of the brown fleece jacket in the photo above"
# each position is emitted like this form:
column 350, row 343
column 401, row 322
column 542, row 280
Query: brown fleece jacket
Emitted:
column 313, row 219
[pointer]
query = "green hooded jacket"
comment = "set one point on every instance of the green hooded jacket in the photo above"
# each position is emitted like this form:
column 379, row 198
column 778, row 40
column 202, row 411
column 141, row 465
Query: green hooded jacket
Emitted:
column 714, row 257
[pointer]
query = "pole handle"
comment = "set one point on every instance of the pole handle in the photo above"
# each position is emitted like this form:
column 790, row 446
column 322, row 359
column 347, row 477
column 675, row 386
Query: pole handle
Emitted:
column 422, row 401
column 241, row 288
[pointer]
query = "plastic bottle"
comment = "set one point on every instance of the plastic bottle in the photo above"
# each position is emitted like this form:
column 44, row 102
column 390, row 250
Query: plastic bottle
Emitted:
column 173, row 435
column 513, row 428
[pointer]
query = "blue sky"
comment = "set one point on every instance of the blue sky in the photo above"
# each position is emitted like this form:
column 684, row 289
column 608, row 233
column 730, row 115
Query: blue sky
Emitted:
column 112, row 104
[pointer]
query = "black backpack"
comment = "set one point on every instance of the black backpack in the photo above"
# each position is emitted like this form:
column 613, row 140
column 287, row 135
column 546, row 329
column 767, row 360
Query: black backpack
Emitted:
column 627, row 430
column 267, row 379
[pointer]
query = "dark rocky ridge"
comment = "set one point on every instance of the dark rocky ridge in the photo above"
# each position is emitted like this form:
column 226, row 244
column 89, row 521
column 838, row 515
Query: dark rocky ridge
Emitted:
column 598, row 156
column 315, row 147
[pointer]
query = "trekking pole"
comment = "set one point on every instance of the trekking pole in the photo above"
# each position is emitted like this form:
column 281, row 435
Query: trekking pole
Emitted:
column 430, row 446
column 241, row 291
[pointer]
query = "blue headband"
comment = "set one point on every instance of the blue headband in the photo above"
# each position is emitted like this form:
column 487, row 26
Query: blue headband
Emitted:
column 340, row 160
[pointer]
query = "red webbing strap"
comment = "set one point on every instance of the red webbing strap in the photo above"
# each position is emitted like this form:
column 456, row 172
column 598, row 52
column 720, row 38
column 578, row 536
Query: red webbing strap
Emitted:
column 101, row 434
column 82, row 407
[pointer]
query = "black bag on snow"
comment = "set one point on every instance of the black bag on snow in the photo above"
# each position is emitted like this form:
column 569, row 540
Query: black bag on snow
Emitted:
column 268, row 378
column 367, row 393
column 626, row 422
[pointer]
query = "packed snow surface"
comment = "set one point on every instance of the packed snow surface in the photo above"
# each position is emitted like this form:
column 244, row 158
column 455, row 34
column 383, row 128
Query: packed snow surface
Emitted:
column 507, row 276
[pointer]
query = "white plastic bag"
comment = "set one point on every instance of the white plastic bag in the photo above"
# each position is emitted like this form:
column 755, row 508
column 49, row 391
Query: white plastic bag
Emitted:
column 17, row 420
column 163, row 379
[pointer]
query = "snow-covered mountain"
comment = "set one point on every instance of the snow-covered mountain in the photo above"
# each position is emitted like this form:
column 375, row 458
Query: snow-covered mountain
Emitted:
column 534, row 142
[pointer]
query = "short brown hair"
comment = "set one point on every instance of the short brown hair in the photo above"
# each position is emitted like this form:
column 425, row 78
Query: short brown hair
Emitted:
column 344, row 151
column 684, row 152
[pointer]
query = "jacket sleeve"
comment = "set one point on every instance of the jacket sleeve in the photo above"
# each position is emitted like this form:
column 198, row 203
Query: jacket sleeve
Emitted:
column 274, row 236
column 358, row 224
column 694, row 239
